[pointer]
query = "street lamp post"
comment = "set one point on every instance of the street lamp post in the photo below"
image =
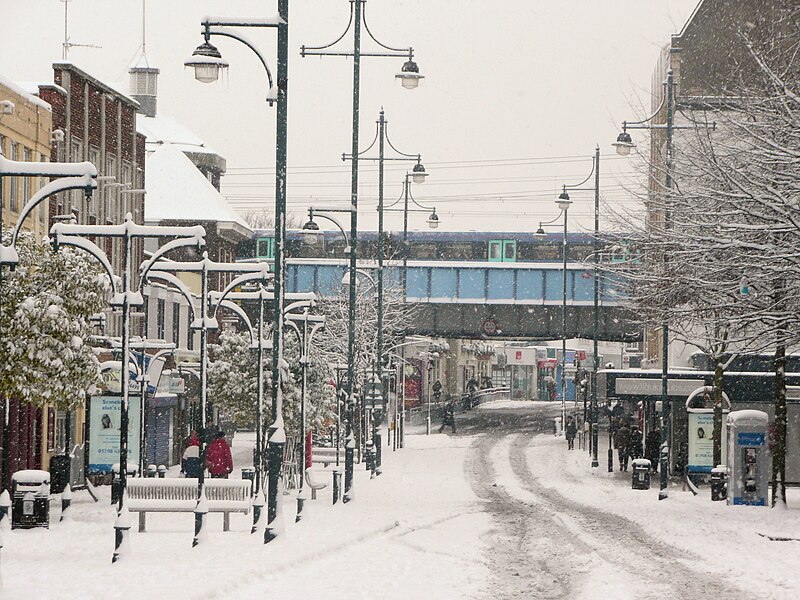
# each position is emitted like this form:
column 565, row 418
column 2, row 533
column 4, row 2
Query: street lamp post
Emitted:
column 206, row 321
column 69, row 234
column 563, row 203
column 593, row 411
column 382, row 138
column 623, row 147
column 311, row 231
column 409, row 77
column 305, row 336
column 207, row 62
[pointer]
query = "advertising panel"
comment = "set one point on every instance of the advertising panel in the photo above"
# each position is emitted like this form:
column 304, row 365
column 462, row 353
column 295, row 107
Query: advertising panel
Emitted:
column 701, row 442
column 104, row 426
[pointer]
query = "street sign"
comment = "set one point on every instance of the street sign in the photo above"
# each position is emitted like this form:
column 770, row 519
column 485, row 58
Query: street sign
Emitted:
column 489, row 326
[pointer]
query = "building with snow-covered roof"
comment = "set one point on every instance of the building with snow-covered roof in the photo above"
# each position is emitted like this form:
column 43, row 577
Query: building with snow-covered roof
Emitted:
column 26, row 124
column 163, row 130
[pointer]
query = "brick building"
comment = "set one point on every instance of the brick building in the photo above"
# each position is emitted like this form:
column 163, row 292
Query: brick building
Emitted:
column 98, row 124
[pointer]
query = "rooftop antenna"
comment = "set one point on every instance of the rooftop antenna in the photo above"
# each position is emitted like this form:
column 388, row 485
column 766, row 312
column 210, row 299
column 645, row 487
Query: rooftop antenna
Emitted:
column 66, row 45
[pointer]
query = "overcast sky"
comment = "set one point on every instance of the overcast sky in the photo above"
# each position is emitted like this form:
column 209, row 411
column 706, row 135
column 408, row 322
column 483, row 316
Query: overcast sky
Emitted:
column 516, row 95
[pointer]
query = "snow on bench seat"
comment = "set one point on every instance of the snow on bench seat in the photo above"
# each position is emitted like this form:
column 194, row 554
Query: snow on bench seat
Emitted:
column 326, row 456
column 146, row 495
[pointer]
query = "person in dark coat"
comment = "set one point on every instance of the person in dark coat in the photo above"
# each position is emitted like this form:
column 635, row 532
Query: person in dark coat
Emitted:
column 449, row 416
column 634, row 443
column 437, row 390
column 621, row 441
column 652, row 446
column 570, row 430
column 219, row 461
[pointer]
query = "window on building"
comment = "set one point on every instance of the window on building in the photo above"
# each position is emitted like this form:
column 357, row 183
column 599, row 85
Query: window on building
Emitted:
column 13, row 198
column 27, row 156
column 160, row 316
column 112, row 192
column 176, row 324
column 3, row 152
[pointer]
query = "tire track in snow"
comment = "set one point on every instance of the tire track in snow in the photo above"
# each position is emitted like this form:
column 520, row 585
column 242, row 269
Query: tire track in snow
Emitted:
column 634, row 551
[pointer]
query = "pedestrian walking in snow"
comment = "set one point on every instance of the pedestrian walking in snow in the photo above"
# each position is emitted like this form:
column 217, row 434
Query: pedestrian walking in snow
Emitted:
column 449, row 416
column 651, row 447
column 621, row 441
column 570, row 431
column 437, row 390
column 634, row 443
column 219, row 461
column 190, row 461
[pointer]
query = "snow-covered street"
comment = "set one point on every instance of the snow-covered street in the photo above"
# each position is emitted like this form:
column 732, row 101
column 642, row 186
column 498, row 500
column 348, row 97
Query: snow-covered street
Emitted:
column 500, row 510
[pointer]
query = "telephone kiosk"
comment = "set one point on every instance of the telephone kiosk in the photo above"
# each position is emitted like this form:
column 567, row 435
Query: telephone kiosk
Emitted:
column 748, row 458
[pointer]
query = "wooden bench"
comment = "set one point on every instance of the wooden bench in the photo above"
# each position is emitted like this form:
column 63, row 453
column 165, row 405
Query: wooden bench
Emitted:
column 180, row 495
column 326, row 456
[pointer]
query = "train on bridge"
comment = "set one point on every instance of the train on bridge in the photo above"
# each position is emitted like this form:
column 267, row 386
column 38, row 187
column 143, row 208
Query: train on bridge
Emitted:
column 507, row 247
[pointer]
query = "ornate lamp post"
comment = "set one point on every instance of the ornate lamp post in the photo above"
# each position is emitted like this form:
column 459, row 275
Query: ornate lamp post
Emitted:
column 563, row 203
column 207, row 62
column 410, row 77
column 623, row 146
column 69, row 234
column 595, row 314
column 382, row 138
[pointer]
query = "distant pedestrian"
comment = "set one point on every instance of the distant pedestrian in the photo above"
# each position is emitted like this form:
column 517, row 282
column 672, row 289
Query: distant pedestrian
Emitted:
column 652, row 445
column 191, row 464
column 570, row 430
column 621, row 440
column 472, row 388
column 449, row 416
column 634, row 443
column 437, row 390
column 218, row 457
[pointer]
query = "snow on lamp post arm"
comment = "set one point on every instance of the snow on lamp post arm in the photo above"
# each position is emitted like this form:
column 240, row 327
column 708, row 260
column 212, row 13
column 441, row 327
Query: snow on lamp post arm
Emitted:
column 178, row 284
column 13, row 168
column 8, row 254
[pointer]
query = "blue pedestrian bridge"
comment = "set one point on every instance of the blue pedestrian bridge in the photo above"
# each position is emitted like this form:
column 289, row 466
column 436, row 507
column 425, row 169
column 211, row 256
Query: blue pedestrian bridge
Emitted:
column 479, row 299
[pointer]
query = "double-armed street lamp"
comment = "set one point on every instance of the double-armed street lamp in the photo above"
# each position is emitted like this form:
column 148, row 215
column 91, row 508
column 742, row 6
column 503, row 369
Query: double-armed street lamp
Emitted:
column 300, row 323
column 207, row 62
column 623, row 146
column 382, row 138
column 596, row 293
column 124, row 297
column 410, row 78
column 312, row 236
column 563, row 202
column 246, row 273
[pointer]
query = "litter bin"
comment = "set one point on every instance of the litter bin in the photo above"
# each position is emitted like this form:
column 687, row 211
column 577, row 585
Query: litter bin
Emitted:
column 116, row 484
column 30, row 490
column 640, row 478
column 719, row 483
column 59, row 473
column 249, row 473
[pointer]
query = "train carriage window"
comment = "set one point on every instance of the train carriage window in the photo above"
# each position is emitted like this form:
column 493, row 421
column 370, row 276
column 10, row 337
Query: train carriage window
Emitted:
column 265, row 248
column 455, row 251
column 509, row 251
column 502, row 251
column 495, row 253
column 424, row 251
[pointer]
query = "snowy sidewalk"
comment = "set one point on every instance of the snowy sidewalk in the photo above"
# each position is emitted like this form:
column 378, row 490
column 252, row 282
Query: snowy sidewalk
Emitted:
column 413, row 532
column 724, row 540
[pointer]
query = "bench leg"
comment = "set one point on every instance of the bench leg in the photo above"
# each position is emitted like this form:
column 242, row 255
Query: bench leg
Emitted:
column 226, row 521
column 313, row 493
column 142, row 522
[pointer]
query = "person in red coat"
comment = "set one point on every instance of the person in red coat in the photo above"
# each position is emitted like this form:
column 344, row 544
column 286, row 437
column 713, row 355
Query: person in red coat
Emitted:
column 218, row 457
